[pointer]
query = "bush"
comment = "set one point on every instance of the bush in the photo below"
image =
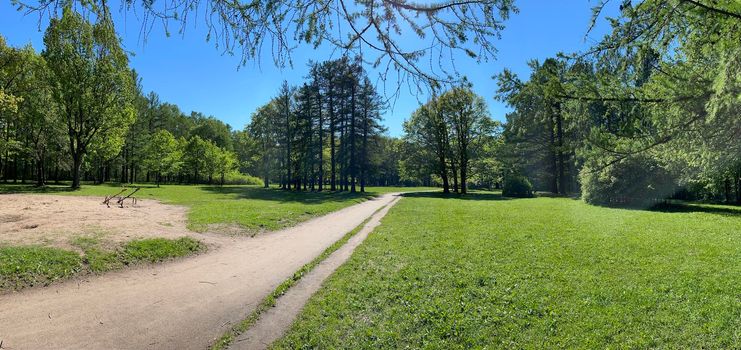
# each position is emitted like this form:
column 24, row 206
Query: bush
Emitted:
column 637, row 181
column 517, row 186
column 237, row 178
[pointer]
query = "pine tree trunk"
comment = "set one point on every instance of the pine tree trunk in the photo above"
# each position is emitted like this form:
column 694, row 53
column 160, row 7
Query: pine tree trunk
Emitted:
column 561, row 157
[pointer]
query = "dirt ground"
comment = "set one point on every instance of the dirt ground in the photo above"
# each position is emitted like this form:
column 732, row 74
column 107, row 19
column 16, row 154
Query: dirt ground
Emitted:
column 51, row 220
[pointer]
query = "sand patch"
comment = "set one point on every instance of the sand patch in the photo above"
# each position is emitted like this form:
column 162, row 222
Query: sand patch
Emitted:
column 58, row 220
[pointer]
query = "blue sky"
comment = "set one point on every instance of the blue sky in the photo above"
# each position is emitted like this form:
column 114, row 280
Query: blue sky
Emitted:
column 192, row 73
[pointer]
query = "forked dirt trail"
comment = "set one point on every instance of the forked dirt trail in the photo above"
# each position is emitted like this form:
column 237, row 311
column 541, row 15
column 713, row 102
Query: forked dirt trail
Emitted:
column 277, row 320
column 181, row 305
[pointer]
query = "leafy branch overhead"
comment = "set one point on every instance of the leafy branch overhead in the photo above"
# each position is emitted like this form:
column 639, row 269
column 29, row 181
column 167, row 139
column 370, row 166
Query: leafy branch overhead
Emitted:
column 418, row 41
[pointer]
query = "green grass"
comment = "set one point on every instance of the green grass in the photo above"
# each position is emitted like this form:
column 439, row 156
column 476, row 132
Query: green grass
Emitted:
column 253, row 208
column 154, row 250
column 487, row 272
column 26, row 266
column 150, row 250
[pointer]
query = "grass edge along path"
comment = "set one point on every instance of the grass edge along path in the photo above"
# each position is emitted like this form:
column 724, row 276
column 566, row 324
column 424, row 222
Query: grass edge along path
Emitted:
column 24, row 267
column 269, row 301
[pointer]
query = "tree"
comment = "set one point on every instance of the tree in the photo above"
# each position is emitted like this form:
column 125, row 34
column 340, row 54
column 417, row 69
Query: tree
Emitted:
column 162, row 155
column 196, row 156
column 469, row 121
column 226, row 161
column 428, row 132
column 90, row 80
column 538, row 133
column 263, row 128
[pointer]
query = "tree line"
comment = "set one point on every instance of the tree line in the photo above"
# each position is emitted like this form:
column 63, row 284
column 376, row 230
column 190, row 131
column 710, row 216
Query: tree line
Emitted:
column 650, row 112
column 76, row 111
column 322, row 133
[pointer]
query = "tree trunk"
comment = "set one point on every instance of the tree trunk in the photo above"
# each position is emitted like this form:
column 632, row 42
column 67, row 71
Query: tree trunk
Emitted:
column 464, row 171
column 76, row 165
column 455, row 175
column 352, row 139
column 552, row 156
column 40, row 179
column 561, row 158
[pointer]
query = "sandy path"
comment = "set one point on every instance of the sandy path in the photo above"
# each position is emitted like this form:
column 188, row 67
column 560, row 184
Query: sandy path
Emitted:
column 180, row 305
column 276, row 321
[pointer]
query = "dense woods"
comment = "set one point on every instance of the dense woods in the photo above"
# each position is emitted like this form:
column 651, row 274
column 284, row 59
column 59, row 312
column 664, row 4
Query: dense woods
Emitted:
column 652, row 111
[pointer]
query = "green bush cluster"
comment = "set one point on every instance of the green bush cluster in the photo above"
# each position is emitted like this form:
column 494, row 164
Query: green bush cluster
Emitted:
column 517, row 186
column 237, row 178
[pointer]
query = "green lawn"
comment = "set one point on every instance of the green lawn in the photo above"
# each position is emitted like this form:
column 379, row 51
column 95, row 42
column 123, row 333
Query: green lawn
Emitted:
column 484, row 271
column 28, row 266
column 253, row 208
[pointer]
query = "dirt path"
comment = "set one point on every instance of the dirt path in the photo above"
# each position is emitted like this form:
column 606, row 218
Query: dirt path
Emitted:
column 276, row 321
column 180, row 305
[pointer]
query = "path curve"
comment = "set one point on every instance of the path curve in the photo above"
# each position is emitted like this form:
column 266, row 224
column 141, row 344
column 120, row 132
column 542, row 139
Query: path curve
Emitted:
column 181, row 305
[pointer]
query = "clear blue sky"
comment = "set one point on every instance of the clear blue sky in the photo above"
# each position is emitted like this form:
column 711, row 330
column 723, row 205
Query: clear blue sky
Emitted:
column 192, row 73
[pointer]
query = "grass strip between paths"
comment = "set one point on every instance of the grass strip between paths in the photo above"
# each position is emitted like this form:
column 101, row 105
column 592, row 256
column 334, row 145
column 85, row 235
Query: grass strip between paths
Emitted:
column 270, row 300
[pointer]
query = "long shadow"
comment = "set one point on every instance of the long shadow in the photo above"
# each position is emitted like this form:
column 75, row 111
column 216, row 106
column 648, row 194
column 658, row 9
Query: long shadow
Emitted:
column 24, row 188
column 475, row 196
column 274, row 194
column 697, row 208
column 11, row 188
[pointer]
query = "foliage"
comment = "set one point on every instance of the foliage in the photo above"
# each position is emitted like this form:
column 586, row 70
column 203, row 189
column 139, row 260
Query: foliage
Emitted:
column 517, row 186
column 481, row 271
column 446, row 135
column 338, row 112
column 636, row 181
column 91, row 82
column 237, row 178
column 26, row 266
column 382, row 28
column 162, row 154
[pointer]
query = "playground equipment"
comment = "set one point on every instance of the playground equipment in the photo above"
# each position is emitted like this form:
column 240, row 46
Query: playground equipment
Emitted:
column 121, row 198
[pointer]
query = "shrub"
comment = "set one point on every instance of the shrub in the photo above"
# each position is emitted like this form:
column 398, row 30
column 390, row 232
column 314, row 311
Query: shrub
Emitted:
column 517, row 186
column 237, row 178
column 637, row 181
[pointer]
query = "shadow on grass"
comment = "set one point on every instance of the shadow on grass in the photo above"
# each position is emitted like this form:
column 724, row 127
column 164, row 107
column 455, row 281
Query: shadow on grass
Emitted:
column 25, row 188
column 274, row 194
column 475, row 196
column 697, row 208
column 11, row 188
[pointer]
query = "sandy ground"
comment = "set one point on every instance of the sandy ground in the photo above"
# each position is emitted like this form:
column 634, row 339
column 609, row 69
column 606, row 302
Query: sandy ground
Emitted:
column 184, row 304
column 55, row 220
column 276, row 321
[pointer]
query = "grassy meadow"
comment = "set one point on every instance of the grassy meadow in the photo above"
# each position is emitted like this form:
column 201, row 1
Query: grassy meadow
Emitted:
column 483, row 271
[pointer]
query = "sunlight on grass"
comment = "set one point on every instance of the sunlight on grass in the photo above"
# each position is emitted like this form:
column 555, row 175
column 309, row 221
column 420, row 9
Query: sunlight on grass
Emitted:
column 484, row 271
